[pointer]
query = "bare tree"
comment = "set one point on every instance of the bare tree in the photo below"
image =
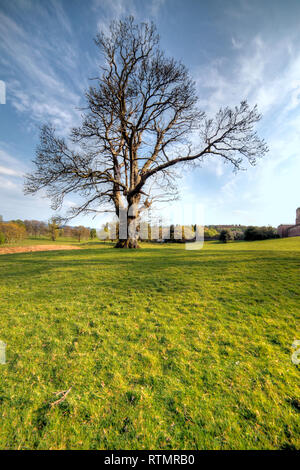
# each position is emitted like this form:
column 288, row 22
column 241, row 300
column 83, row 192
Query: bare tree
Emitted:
column 81, row 233
column 140, row 121
column 53, row 228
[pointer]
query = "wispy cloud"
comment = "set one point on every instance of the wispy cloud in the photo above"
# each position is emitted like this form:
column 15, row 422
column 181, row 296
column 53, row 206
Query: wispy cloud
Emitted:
column 115, row 10
column 9, row 171
column 11, row 165
column 118, row 9
column 236, row 44
column 264, row 73
column 155, row 7
column 33, row 83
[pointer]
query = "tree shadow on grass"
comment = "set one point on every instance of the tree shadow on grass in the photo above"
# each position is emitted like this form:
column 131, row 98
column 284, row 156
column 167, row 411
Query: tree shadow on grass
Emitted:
column 20, row 265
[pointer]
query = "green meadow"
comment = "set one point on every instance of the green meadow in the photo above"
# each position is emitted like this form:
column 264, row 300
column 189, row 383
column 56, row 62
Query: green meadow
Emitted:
column 159, row 348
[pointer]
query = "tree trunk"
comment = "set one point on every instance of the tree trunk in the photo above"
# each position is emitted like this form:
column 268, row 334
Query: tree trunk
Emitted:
column 132, row 234
column 129, row 243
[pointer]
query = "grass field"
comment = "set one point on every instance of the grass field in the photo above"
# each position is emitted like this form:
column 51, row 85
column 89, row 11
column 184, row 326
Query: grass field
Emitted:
column 164, row 348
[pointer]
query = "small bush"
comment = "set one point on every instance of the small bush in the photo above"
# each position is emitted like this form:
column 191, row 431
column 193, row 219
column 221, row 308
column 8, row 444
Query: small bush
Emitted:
column 93, row 233
column 225, row 236
column 238, row 235
column 210, row 234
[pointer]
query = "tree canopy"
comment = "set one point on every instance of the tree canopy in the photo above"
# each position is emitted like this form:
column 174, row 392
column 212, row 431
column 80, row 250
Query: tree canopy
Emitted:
column 141, row 120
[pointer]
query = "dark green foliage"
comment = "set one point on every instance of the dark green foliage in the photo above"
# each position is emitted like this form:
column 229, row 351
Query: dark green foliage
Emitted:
column 172, row 229
column 225, row 236
column 260, row 233
column 93, row 233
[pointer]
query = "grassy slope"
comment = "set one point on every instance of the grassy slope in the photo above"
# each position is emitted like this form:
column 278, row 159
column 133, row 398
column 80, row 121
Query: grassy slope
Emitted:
column 165, row 348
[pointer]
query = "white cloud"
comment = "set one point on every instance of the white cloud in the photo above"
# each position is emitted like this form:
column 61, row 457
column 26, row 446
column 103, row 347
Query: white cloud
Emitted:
column 115, row 10
column 236, row 44
column 9, row 171
column 10, row 165
column 214, row 165
column 265, row 73
column 7, row 184
column 118, row 9
column 155, row 7
column 33, row 84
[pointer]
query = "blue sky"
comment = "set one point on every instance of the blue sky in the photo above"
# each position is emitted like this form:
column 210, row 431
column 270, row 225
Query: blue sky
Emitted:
column 234, row 49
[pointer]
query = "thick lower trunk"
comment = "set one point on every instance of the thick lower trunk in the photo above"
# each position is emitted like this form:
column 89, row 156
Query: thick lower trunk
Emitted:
column 131, row 229
column 129, row 243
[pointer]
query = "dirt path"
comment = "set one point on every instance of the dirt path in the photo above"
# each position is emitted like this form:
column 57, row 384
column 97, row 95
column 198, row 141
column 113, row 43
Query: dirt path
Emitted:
column 25, row 249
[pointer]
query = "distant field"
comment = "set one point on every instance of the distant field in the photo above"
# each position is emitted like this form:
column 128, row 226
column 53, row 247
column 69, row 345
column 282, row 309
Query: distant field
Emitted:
column 164, row 348
column 45, row 241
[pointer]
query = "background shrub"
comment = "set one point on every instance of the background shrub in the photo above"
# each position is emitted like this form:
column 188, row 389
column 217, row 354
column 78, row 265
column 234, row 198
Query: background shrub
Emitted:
column 238, row 235
column 12, row 232
column 260, row 233
column 226, row 235
column 210, row 234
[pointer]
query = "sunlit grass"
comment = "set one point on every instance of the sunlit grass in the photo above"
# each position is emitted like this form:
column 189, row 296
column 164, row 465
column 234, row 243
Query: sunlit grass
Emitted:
column 43, row 240
column 164, row 348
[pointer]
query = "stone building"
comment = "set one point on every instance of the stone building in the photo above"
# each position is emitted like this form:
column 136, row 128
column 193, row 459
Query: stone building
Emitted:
column 285, row 230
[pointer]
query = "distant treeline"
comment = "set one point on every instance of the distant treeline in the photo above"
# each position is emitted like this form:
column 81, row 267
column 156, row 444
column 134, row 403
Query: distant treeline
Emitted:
column 16, row 230
column 182, row 233
column 235, row 227
column 250, row 234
